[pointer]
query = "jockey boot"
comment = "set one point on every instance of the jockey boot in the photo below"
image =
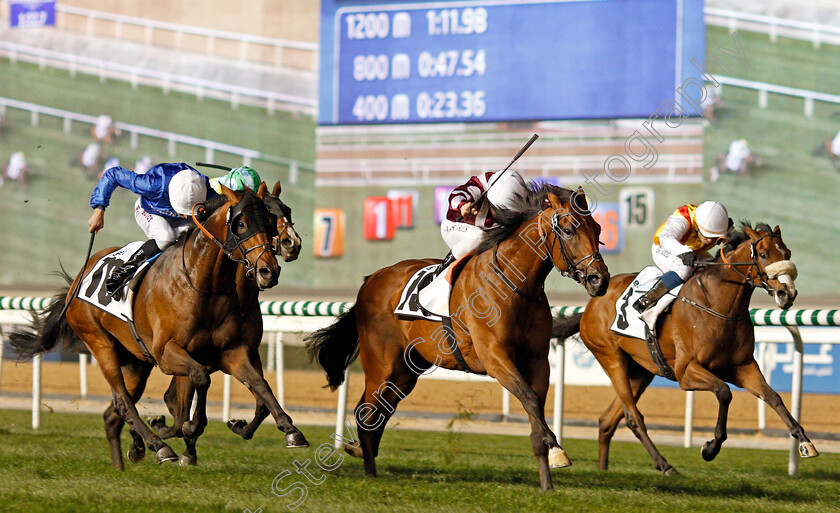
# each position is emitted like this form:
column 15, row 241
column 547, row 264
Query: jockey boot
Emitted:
column 448, row 259
column 650, row 297
column 118, row 277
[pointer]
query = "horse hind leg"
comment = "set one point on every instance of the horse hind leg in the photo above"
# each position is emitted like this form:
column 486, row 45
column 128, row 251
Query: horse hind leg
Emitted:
column 178, row 399
column 750, row 378
column 135, row 374
column 247, row 429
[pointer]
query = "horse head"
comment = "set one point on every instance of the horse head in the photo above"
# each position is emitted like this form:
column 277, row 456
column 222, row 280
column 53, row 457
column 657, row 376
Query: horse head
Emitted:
column 572, row 240
column 774, row 271
column 287, row 242
column 248, row 228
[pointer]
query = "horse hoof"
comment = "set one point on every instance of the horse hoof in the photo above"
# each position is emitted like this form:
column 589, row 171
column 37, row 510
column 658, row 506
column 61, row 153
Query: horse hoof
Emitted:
column 136, row 455
column 354, row 450
column 708, row 451
column 157, row 420
column 296, row 440
column 807, row 450
column 188, row 460
column 236, row 425
column 671, row 472
column 165, row 454
column 557, row 458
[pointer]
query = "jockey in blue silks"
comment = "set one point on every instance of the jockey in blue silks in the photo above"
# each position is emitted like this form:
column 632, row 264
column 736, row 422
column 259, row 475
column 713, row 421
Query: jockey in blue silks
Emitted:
column 168, row 194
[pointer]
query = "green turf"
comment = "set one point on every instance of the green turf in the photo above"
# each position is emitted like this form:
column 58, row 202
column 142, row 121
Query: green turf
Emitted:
column 64, row 466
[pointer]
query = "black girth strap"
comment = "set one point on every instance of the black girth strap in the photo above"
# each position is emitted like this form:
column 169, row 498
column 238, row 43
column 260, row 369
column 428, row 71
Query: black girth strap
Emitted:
column 656, row 355
column 140, row 343
column 452, row 344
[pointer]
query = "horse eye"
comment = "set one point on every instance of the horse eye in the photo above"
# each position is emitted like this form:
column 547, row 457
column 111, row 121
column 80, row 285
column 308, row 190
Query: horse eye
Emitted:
column 567, row 231
column 762, row 255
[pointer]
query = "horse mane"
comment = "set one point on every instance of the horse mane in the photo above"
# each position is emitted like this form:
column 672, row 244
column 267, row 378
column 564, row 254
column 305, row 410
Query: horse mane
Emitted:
column 735, row 237
column 525, row 207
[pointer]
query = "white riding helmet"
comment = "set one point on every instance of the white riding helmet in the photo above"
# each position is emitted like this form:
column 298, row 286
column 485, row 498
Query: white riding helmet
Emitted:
column 712, row 219
column 185, row 190
column 506, row 188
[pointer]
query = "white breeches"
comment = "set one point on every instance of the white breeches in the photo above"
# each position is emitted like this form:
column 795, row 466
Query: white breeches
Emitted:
column 164, row 230
column 461, row 238
column 666, row 261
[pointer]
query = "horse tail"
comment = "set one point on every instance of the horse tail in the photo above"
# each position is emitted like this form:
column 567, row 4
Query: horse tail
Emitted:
column 47, row 330
column 335, row 347
column 564, row 326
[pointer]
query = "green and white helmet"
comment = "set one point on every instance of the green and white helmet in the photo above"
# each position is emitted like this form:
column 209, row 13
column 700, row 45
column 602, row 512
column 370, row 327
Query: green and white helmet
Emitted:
column 237, row 179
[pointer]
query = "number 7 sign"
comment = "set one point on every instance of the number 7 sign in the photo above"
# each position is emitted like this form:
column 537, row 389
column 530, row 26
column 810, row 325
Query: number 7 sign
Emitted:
column 329, row 232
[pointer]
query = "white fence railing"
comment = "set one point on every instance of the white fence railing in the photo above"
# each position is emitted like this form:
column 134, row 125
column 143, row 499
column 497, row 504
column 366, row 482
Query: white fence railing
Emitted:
column 210, row 147
column 284, row 52
column 306, row 316
column 773, row 26
column 763, row 89
column 201, row 88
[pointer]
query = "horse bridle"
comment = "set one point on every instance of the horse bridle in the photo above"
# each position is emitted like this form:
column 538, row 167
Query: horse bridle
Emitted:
column 260, row 223
column 748, row 278
column 572, row 270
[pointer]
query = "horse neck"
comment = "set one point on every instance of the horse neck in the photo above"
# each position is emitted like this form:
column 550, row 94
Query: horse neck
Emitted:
column 526, row 252
column 207, row 265
column 731, row 292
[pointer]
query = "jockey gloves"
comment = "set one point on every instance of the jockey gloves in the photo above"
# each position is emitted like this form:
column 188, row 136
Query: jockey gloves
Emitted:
column 505, row 190
column 712, row 219
column 185, row 190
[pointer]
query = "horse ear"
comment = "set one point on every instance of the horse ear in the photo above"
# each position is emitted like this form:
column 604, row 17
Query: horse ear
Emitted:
column 579, row 200
column 230, row 194
column 261, row 190
column 750, row 232
column 777, row 231
column 277, row 188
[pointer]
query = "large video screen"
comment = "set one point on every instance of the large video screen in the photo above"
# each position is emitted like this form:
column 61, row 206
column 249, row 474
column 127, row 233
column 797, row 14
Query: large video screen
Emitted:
column 419, row 62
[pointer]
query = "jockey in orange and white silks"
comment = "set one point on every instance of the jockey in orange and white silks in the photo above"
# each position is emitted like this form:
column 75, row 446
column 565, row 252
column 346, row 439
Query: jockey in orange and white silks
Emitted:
column 464, row 236
column 690, row 230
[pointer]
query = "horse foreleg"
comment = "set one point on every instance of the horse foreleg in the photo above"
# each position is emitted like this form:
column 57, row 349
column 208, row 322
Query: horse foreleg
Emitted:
column 239, row 363
column 696, row 377
column 548, row 452
column 247, row 429
column 609, row 420
column 177, row 361
column 178, row 399
column 750, row 378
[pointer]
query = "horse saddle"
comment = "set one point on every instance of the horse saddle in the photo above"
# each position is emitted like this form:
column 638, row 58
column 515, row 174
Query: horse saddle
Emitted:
column 628, row 321
column 426, row 295
column 93, row 289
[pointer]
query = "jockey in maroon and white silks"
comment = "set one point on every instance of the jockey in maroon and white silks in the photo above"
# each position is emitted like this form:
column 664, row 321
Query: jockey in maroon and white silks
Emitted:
column 465, row 236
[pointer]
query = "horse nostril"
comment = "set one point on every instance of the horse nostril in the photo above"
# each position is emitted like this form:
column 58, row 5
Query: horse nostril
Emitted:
column 287, row 243
column 593, row 279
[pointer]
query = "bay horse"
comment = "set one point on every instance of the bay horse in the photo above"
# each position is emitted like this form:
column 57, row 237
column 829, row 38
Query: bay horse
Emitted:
column 187, row 311
column 707, row 339
column 501, row 320
column 179, row 395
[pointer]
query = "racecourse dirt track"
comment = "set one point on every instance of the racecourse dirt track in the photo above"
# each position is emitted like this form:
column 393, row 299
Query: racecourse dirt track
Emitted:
column 304, row 390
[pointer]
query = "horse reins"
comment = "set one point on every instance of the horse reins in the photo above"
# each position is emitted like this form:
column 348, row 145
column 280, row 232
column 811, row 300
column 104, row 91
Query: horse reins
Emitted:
column 748, row 279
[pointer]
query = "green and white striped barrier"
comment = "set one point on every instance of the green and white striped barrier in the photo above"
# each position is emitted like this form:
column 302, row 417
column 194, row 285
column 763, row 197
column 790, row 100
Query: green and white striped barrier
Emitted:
column 759, row 316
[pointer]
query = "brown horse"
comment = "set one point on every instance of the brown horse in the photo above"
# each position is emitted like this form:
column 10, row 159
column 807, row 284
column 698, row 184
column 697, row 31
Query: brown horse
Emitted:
column 179, row 395
column 501, row 320
column 187, row 311
column 707, row 338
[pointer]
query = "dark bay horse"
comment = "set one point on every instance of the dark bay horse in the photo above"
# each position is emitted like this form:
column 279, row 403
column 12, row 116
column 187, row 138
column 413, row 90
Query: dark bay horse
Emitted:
column 179, row 395
column 501, row 320
column 707, row 338
column 188, row 313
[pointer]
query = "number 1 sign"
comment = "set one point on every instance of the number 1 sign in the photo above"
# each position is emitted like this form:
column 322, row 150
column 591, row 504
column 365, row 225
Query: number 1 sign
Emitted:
column 379, row 221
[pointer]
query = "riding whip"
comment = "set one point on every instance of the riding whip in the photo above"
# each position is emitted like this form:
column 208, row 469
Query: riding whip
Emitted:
column 500, row 173
column 216, row 166
column 79, row 281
